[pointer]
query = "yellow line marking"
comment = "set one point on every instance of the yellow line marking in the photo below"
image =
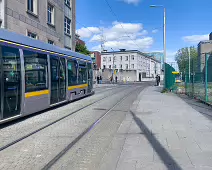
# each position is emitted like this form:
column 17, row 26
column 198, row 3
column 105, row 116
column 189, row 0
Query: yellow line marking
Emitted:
column 77, row 87
column 36, row 93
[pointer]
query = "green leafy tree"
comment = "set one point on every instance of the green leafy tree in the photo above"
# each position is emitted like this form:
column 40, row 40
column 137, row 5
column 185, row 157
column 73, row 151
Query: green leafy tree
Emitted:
column 82, row 49
column 182, row 58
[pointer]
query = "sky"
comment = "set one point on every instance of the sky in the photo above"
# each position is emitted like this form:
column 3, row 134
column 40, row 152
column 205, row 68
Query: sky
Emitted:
column 133, row 25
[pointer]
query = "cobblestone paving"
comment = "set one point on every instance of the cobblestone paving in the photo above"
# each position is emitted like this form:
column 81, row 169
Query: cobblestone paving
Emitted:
column 35, row 151
column 19, row 129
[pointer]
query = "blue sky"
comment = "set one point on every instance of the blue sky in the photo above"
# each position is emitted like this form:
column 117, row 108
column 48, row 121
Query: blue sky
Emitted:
column 137, row 26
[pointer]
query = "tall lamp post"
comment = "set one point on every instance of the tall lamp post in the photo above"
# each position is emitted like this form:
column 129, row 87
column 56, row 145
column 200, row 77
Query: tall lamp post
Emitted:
column 113, row 63
column 164, row 37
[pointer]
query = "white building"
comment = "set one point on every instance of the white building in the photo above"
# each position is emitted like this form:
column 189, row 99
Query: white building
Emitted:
column 132, row 65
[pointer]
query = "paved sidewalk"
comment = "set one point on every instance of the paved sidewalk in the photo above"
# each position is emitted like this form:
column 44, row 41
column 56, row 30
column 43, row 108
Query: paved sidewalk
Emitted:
column 163, row 132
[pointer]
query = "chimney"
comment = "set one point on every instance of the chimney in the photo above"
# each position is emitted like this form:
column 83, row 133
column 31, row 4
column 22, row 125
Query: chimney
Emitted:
column 122, row 50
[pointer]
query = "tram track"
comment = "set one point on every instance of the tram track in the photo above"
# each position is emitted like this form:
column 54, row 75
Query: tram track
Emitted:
column 88, row 129
column 57, row 120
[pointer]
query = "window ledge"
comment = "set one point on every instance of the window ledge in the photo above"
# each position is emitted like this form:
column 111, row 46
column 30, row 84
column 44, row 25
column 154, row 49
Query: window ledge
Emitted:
column 50, row 24
column 68, row 5
column 68, row 34
column 32, row 13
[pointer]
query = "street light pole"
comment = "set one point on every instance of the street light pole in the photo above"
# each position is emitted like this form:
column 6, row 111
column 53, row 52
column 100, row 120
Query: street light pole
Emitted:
column 113, row 63
column 164, row 44
column 164, row 38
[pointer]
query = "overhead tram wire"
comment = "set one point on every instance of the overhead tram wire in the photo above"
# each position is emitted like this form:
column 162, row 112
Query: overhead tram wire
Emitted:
column 120, row 23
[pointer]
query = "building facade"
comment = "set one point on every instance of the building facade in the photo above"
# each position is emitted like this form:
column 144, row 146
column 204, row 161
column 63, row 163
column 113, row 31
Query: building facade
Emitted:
column 203, row 47
column 96, row 57
column 78, row 40
column 134, row 64
column 50, row 21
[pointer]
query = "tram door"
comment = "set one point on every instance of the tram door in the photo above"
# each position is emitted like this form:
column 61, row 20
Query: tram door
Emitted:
column 10, row 82
column 58, row 79
column 90, row 77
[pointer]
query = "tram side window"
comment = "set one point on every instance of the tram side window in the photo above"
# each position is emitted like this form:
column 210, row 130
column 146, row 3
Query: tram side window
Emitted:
column 90, row 73
column 82, row 76
column 36, row 71
column 72, row 72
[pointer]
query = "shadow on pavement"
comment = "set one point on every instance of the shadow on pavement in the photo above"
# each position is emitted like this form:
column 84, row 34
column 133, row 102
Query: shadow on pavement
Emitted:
column 167, row 159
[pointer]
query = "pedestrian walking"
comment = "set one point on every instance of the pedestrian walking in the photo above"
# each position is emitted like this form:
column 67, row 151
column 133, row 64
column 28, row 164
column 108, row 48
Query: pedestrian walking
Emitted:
column 158, row 80
column 100, row 79
column 97, row 79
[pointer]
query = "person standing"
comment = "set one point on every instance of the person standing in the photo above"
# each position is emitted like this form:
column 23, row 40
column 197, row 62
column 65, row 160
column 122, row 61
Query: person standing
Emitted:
column 116, row 79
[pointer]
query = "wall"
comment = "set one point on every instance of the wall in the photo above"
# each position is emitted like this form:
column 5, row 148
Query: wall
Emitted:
column 18, row 20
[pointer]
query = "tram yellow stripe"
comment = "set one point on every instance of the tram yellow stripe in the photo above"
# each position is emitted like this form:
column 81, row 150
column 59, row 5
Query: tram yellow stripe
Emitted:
column 36, row 93
column 77, row 87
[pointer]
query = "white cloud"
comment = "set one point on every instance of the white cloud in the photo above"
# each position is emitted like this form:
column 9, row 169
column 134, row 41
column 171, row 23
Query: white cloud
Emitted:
column 120, row 31
column 154, row 31
column 140, row 44
column 135, row 2
column 87, row 32
column 193, row 39
column 119, row 35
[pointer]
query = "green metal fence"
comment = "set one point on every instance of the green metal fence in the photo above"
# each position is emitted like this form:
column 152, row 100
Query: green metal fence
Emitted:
column 169, row 77
column 198, row 81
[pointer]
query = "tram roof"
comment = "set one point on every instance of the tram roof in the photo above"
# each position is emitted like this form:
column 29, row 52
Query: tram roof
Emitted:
column 24, row 40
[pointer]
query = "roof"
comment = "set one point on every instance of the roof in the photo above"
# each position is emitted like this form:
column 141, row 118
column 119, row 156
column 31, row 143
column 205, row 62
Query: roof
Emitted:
column 205, row 42
column 129, row 51
column 24, row 40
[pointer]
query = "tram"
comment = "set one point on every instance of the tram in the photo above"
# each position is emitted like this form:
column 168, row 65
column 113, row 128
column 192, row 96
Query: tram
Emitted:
column 35, row 76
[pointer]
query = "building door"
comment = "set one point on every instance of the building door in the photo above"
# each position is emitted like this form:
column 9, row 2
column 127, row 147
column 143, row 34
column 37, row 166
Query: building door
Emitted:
column 58, row 80
column 10, row 82
column 90, row 77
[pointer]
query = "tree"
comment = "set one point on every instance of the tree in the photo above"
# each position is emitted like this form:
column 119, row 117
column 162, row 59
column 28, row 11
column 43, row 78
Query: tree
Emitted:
column 182, row 58
column 82, row 49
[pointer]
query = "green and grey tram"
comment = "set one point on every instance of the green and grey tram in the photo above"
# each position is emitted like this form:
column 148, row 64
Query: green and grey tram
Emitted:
column 35, row 75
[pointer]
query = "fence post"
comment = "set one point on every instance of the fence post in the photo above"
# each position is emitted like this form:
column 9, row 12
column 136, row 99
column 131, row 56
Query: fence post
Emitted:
column 206, row 77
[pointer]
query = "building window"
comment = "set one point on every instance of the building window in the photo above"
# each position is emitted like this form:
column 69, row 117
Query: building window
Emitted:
column 120, row 66
column 51, row 42
column 132, row 65
column 114, row 66
column 114, row 58
column 132, row 57
column 32, row 35
column 121, row 58
column 104, row 66
column 126, row 58
column 32, row 6
column 67, row 2
column 109, row 58
column 126, row 66
column 50, row 14
column 67, row 25
column 109, row 66
column 104, row 58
